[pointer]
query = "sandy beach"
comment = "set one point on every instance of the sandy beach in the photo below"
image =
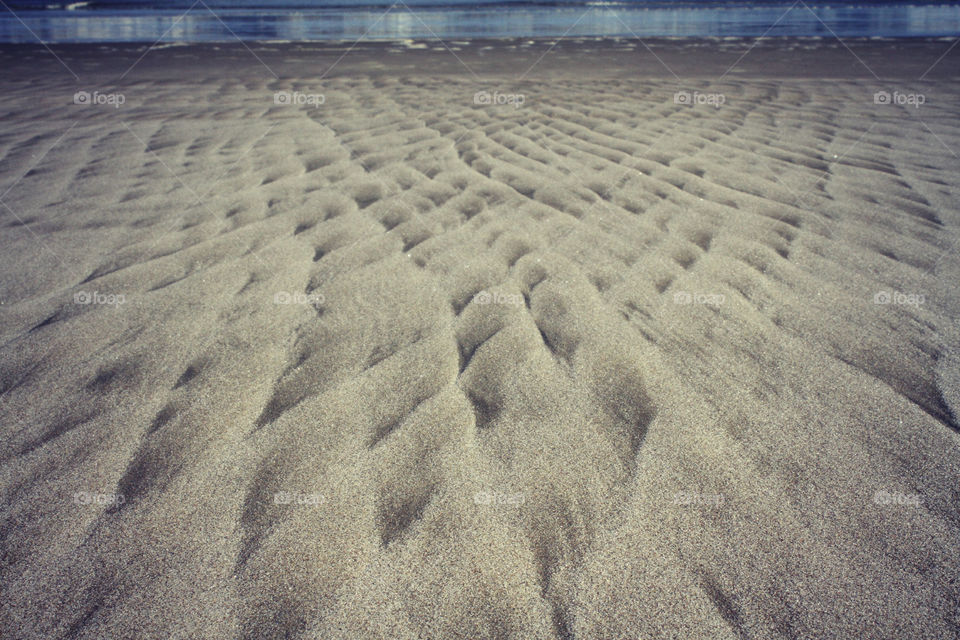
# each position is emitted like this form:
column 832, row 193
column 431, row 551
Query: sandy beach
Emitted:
column 490, row 339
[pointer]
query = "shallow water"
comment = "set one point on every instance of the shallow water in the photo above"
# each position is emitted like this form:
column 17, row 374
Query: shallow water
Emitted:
column 28, row 21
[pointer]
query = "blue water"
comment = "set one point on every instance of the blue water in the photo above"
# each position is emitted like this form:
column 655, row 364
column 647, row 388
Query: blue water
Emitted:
column 318, row 20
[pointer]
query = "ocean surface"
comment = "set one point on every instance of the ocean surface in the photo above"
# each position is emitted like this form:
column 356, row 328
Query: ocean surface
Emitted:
column 320, row 20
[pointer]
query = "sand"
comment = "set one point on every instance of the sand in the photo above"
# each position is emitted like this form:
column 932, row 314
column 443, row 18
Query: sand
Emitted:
column 493, row 342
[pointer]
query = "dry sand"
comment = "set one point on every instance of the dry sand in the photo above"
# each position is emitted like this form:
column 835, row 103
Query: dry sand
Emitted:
column 406, row 365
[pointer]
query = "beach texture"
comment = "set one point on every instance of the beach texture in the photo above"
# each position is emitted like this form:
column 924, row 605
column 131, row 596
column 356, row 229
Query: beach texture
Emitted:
column 410, row 346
